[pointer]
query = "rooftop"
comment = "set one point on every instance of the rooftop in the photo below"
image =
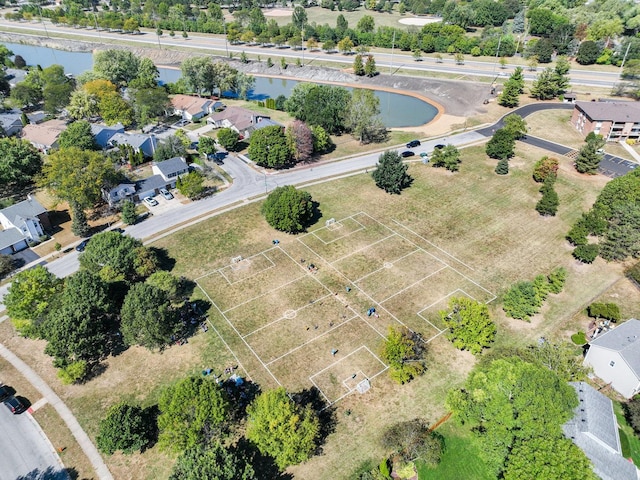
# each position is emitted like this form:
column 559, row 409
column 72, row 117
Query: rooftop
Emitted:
column 26, row 209
column 612, row 111
column 624, row 339
column 45, row 133
column 9, row 237
column 189, row 103
column 172, row 165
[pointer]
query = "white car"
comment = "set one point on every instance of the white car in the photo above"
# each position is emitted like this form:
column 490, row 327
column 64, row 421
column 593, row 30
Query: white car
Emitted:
column 166, row 193
column 152, row 202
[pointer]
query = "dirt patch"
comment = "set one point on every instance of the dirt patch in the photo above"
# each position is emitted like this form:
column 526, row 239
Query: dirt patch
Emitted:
column 418, row 21
column 278, row 12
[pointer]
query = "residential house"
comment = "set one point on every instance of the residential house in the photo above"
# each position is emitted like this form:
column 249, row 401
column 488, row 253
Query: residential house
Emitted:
column 170, row 169
column 615, row 121
column 139, row 141
column 44, row 136
column 239, row 119
column 149, row 187
column 28, row 218
column 11, row 122
column 594, row 429
column 103, row 134
column 615, row 357
column 122, row 191
column 193, row 108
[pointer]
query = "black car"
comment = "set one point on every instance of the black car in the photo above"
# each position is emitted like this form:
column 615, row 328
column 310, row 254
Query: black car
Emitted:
column 14, row 405
column 5, row 392
column 82, row 245
column 413, row 144
column 218, row 157
column 407, row 153
column 117, row 230
column 438, row 147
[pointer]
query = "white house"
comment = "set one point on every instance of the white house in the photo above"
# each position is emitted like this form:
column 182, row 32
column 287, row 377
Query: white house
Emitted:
column 193, row 108
column 11, row 123
column 139, row 141
column 118, row 193
column 22, row 222
column 615, row 357
column 594, row 429
column 241, row 120
column 44, row 136
column 170, row 169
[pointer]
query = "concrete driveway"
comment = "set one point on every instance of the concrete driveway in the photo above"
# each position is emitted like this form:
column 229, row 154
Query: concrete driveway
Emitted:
column 25, row 452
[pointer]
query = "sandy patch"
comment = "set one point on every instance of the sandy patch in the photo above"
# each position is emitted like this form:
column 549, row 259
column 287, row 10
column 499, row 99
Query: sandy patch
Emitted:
column 278, row 12
column 442, row 125
column 418, row 21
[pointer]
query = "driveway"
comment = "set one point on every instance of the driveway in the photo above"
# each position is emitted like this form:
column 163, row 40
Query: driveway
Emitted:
column 25, row 451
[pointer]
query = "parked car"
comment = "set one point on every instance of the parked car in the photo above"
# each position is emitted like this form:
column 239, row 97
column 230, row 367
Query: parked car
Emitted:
column 166, row 193
column 407, row 153
column 117, row 230
column 152, row 202
column 413, row 144
column 5, row 392
column 14, row 405
column 218, row 157
column 439, row 146
column 424, row 154
column 82, row 245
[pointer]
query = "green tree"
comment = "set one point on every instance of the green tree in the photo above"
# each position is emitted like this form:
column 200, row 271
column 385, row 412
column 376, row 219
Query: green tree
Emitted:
column 515, row 125
column 149, row 103
column 168, row 283
column 447, row 157
column 345, row 45
column 403, row 353
column 228, row 138
column 414, row 440
column 632, row 413
column 82, row 105
column 79, row 326
column 20, row 162
column 470, row 326
column 171, row 147
column 548, row 457
column 521, row 301
column 586, row 253
column 206, row 145
column 288, row 209
column 588, row 53
column 588, row 159
column 115, row 109
column 508, row 401
column 213, row 462
column 390, row 173
column 117, row 66
column 366, row 24
column 323, row 105
column 7, row 265
column 544, row 168
column 321, row 140
column 125, row 427
column 30, row 296
column 192, row 411
column 78, row 135
column 147, row 317
column 548, row 204
column 363, row 119
column 25, row 94
column 79, row 224
column 501, row 145
column 128, row 212
column 282, row 429
column 147, row 75
column 370, row 69
column 191, row 184
column 358, row 65
column 510, row 96
column 56, row 89
column 115, row 257
column 556, row 280
column 268, row 147
column 545, row 85
column 502, row 168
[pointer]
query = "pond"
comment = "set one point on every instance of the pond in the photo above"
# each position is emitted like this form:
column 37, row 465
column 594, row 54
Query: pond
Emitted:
column 396, row 110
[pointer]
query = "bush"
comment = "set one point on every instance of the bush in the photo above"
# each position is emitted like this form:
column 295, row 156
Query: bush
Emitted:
column 632, row 413
column 544, row 168
column 128, row 213
column 633, row 273
column 579, row 338
column 578, row 234
column 548, row 204
column 557, row 279
column 608, row 311
column 586, row 253
column 228, row 138
column 288, row 209
column 521, row 301
column 125, row 428
column 502, row 168
column 72, row 373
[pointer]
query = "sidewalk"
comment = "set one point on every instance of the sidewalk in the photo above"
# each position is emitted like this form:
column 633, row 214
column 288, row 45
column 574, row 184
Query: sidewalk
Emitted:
column 67, row 416
column 632, row 152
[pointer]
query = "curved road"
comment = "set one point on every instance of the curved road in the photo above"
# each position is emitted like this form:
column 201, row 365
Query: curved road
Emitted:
column 387, row 62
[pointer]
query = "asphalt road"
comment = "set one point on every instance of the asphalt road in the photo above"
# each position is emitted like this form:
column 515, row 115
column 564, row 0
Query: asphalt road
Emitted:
column 386, row 62
column 611, row 165
column 24, row 450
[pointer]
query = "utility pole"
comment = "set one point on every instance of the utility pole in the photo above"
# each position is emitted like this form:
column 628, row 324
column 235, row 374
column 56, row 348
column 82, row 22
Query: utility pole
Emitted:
column 624, row 59
column 226, row 42
column 393, row 45
column 303, row 47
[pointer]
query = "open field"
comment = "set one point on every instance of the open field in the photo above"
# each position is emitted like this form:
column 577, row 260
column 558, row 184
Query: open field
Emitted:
column 471, row 233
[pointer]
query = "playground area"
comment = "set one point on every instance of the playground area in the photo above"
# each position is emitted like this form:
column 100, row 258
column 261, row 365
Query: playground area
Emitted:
column 314, row 311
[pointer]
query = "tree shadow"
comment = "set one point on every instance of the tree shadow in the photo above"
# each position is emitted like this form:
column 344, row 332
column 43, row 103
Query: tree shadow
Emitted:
column 316, row 214
column 150, row 416
column 165, row 262
column 51, row 473
column 264, row 465
column 240, row 394
column 312, row 398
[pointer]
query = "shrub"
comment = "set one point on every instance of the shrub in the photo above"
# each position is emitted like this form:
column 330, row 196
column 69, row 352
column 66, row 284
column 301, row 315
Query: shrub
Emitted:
column 288, row 209
column 544, row 168
column 73, row 372
column 609, row 311
column 124, row 428
column 520, row 301
column 579, row 338
column 632, row 413
column 586, row 253
column 557, row 279
column 548, row 204
column 502, row 168
column 578, row 234
column 633, row 273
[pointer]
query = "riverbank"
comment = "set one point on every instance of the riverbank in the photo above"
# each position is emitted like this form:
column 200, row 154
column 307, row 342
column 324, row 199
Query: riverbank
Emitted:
column 455, row 100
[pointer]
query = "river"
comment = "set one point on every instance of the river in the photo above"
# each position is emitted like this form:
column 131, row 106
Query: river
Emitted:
column 396, row 110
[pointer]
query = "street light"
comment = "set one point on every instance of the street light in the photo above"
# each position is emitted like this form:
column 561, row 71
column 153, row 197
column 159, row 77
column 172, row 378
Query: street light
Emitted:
column 226, row 43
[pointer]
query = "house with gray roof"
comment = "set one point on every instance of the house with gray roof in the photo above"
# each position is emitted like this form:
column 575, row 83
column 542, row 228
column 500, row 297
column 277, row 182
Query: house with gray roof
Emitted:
column 615, row 121
column 240, row 119
column 594, row 429
column 102, row 134
column 11, row 123
column 614, row 356
column 28, row 218
column 170, row 169
column 118, row 193
column 139, row 141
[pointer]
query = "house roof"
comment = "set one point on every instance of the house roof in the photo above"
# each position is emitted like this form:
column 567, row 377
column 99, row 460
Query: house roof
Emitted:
column 624, row 339
column 9, row 237
column 172, row 165
column 594, row 429
column 265, row 122
column 26, row 209
column 611, row 111
column 136, row 140
column 9, row 119
column 239, row 117
column 188, row 103
column 97, row 128
column 150, row 183
column 45, row 133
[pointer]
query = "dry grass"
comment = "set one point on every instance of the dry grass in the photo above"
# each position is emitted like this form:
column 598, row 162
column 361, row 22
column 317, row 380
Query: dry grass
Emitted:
column 320, row 16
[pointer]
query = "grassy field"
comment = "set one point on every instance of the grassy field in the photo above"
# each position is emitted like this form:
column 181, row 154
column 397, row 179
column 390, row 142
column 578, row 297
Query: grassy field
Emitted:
column 482, row 230
column 626, row 430
column 320, row 16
